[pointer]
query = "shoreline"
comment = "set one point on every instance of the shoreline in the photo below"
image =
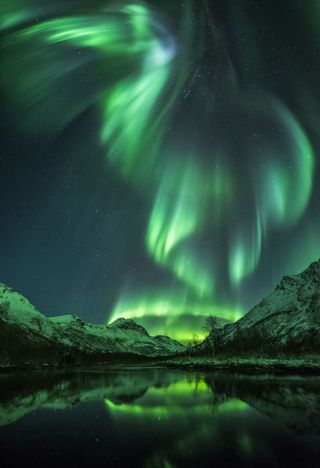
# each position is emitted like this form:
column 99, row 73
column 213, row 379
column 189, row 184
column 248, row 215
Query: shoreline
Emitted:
column 239, row 365
column 249, row 365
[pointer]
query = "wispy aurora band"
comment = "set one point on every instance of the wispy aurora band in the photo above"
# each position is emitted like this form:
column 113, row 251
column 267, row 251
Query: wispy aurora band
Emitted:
column 146, row 72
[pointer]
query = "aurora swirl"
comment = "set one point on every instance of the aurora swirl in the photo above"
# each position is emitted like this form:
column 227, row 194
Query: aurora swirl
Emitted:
column 223, row 160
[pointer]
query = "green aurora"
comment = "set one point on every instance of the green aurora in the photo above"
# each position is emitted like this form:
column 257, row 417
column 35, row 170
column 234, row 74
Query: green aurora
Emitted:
column 214, row 201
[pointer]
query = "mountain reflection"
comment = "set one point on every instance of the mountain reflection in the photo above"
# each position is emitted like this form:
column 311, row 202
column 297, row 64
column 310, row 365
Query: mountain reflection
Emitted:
column 169, row 418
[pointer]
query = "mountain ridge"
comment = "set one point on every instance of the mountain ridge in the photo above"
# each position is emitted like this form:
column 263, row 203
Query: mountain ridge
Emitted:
column 286, row 321
column 27, row 334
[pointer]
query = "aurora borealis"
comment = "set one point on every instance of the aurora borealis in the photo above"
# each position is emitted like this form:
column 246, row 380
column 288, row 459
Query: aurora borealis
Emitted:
column 160, row 159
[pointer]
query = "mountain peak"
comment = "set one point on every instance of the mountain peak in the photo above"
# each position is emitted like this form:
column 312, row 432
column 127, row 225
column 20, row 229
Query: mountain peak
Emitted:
column 313, row 269
column 286, row 321
column 128, row 324
column 31, row 336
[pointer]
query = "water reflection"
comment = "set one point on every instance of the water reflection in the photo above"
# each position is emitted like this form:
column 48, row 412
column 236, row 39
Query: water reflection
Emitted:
column 160, row 418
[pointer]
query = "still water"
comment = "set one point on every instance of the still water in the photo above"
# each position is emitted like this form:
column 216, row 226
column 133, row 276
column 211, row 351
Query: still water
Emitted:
column 159, row 418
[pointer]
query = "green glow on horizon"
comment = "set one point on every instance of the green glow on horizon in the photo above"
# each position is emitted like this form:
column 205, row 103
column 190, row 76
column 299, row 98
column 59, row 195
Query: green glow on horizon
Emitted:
column 166, row 309
column 173, row 401
column 142, row 411
column 130, row 307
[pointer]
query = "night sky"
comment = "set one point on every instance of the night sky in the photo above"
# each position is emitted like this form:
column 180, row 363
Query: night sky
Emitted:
column 159, row 160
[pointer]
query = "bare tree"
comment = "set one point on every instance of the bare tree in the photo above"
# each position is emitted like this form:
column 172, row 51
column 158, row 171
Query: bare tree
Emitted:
column 211, row 328
column 188, row 349
column 193, row 342
column 195, row 339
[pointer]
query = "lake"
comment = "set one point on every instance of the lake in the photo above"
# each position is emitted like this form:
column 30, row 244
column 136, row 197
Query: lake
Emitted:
column 158, row 418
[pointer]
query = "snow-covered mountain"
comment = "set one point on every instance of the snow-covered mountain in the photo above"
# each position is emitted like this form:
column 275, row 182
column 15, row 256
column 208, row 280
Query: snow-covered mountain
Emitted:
column 286, row 321
column 26, row 334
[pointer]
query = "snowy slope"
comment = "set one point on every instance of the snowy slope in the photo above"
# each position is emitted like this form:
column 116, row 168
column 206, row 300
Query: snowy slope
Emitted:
column 287, row 320
column 22, row 325
column 17, row 311
column 121, row 336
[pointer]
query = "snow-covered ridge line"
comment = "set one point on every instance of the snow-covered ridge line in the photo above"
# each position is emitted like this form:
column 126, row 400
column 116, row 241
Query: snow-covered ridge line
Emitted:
column 23, row 321
column 286, row 322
